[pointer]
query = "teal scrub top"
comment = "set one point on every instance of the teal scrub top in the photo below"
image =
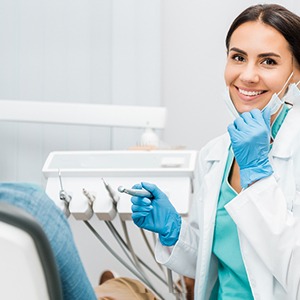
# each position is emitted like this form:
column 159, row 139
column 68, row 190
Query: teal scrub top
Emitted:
column 233, row 282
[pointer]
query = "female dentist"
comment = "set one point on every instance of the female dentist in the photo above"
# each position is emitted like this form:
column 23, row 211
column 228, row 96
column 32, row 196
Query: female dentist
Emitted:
column 242, row 240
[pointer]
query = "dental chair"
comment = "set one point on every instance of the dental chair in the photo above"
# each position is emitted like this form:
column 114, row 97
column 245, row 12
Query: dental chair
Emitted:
column 27, row 265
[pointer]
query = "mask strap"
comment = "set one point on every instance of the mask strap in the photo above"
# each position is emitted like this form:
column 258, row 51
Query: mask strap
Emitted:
column 287, row 83
column 297, row 83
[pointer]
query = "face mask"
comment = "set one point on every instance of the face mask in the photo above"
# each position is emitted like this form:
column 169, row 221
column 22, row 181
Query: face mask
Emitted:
column 274, row 103
column 293, row 94
column 234, row 113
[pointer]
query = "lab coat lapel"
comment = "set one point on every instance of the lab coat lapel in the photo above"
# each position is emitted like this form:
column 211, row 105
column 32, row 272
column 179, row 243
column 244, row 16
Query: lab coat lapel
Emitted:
column 286, row 135
column 216, row 158
column 282, row 144
column 281, row 155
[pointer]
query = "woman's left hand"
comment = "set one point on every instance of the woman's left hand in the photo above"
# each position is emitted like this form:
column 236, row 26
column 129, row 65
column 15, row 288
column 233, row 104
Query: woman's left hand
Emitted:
column 250, row 140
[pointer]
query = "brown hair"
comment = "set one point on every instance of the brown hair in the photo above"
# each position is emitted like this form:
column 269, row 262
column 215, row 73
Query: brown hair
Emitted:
column 276, row 16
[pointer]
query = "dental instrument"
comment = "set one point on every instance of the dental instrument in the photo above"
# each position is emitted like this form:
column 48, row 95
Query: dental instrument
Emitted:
column 81, row 206
column 91, row 198
column 63, row 195
column 135, row 192
column 64, row 198
column 112, row 193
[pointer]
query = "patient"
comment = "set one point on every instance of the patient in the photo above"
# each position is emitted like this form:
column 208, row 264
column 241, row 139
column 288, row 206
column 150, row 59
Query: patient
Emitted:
column 75, row 283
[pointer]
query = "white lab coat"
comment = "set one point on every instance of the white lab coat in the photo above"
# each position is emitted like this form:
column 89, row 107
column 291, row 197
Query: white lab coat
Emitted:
column 267, row 215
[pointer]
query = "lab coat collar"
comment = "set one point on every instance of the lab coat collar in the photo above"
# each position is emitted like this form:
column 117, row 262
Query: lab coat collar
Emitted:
column 216, row 151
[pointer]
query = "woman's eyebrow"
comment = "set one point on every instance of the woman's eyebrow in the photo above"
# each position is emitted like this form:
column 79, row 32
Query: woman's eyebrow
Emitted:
column 238, row 50
column 267, row 54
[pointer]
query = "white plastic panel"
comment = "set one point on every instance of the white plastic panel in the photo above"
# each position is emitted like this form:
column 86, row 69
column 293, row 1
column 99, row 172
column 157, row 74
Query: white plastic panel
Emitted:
column 171, row 171
column 120, row 163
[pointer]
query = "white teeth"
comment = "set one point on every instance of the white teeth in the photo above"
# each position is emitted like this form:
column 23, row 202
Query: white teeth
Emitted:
column 248, row 93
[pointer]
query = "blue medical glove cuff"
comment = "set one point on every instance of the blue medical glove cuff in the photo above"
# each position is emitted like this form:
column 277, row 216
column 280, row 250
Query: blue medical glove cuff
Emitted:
column 173, row 227
column 252, row 174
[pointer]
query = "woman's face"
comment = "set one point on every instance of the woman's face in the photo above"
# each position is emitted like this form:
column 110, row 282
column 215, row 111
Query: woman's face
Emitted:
column 259, row 63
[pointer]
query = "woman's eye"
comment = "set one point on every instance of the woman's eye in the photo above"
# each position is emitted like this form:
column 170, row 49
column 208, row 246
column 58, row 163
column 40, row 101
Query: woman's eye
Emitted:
column 269, row 61
column 238, row 58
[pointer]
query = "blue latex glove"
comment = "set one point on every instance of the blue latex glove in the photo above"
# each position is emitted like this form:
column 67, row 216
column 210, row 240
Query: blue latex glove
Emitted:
column 250, row 140
column 156, row 214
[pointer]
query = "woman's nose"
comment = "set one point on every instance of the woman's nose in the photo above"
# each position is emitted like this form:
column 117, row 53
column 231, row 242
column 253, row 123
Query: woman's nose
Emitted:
column 249, row 74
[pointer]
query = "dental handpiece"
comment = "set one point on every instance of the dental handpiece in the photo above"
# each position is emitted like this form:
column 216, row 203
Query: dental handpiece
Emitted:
column 90, row 197
column 112, row 193
column 63, row 195
column 135, row 192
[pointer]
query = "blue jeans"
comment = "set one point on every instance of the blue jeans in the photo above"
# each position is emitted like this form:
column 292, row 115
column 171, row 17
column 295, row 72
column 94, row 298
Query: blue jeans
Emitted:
column 75, row 283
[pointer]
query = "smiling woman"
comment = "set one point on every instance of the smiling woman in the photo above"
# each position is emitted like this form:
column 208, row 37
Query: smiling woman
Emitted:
column 253, row 73
column 263, row 56
column 243, row 234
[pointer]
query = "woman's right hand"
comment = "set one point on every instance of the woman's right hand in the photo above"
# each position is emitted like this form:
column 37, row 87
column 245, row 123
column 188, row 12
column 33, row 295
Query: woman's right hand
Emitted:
column 156, row 214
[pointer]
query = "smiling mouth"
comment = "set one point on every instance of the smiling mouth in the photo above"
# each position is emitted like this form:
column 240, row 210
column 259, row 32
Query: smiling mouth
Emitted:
column 250, row 93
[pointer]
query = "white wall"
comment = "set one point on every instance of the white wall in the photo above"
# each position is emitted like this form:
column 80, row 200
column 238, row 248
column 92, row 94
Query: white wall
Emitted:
column 88, row 51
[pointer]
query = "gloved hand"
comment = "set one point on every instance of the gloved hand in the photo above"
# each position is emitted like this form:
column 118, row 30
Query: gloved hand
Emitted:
column 250, row 140
column 156, row 214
